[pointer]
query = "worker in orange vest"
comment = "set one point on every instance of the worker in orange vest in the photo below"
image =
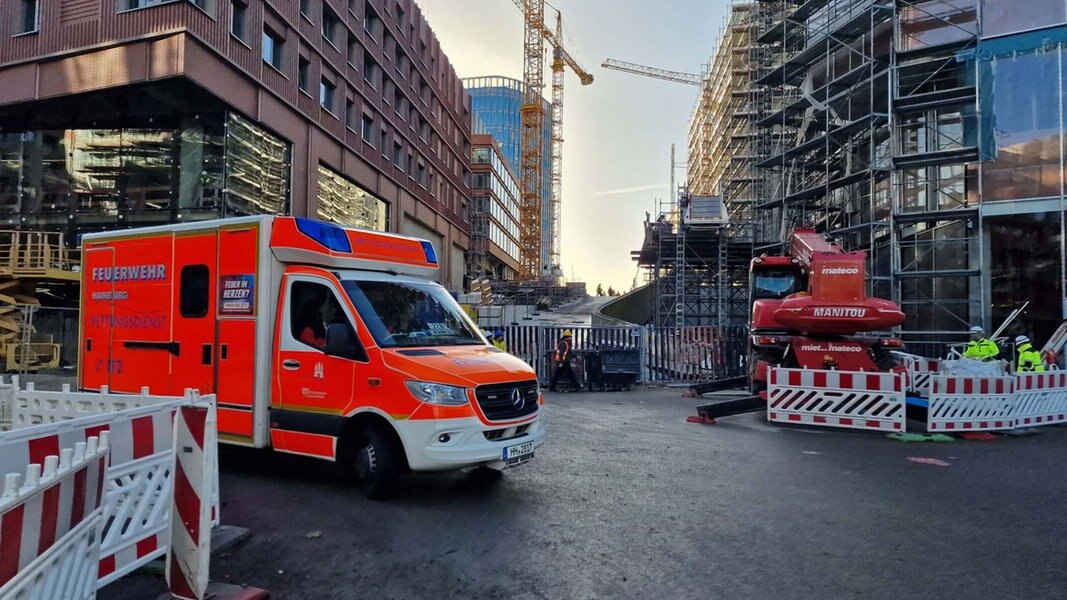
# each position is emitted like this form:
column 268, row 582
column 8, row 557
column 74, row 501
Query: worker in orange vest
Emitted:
column 562, row 360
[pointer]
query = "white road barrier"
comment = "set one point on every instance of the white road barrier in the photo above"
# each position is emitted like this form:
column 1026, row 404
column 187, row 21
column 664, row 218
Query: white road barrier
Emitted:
column 1041, row 398
column 960, row 404
column 139, row 483
column 873, row 401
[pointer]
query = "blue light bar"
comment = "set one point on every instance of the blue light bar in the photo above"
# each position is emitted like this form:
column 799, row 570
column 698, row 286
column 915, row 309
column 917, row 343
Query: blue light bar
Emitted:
column 431, row 254
column 325, row 234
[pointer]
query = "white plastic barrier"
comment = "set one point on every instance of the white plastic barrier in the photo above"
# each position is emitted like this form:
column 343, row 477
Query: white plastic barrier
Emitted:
column 50, row 522
column 1040, row 398
column 139, row 483
column 8, row 388
column 971, row 403
column 856, row 400
column 919, row 371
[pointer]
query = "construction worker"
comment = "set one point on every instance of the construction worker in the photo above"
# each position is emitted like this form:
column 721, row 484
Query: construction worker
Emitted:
column 981, row 348
column 1029, row 359
column 562, row 360
column 498, row 340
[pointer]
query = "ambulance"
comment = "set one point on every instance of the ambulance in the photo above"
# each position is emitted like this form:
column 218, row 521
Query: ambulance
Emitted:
column 318, row 340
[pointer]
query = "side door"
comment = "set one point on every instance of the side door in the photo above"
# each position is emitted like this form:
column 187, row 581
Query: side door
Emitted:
column 236, row 380
column 98, row 312
column 313, row 388
column 195, row 257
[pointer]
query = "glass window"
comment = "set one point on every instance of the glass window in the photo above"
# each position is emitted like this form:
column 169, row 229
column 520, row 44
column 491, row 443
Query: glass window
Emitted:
column 257, row 169
column 934, row 23
column 1026, row 129
column 353, row 49
column 371, row 71
column 405, row 314
column 367, row 129
column 272, row 48
column 350, row 114
column 305, row 8
column 1010, row 16
column 312, row 307
column 238, row 18
column 331, row 25
column 303, row 69
column 326, row 94
column 28, row 15
column 775, row 283
column 194, row 292
column 343, row 202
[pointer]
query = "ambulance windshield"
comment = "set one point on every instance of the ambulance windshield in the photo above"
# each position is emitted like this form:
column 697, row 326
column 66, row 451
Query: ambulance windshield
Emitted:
column 405, row 313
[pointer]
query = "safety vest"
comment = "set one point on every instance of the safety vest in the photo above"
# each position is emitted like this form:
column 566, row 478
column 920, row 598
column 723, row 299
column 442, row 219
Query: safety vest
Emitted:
column 500, row 344
column 563, row 350
column 982, row 349
column 1029, row 359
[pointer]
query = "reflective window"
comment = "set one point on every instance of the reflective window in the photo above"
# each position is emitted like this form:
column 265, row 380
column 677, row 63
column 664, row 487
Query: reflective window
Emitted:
column 1010, row 16
column 934, row 23
column 257, row 169
column 1026, row 130
column 345, row 203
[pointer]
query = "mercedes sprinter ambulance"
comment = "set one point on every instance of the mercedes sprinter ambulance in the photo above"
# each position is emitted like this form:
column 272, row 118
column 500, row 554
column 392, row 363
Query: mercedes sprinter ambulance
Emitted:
column 318, row 340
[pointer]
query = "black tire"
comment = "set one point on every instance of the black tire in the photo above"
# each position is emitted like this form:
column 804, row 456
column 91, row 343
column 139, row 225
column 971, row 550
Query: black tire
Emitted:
column 375, row 464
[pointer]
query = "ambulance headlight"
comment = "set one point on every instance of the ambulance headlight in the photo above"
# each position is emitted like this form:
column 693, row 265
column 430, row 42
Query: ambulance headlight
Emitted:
column 436, row 393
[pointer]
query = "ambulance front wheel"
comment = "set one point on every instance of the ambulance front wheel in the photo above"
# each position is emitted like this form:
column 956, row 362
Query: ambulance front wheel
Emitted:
column 376, row 463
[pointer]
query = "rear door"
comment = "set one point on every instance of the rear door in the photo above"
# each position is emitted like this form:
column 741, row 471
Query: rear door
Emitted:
column 238, row 284
column 94, row 365
column 194, row 315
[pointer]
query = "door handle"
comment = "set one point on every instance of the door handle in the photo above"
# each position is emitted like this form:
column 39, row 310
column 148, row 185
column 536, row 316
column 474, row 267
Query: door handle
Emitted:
column 291, row 364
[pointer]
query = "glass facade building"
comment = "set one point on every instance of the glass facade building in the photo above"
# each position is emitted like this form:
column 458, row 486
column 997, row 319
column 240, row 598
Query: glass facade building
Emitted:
column 494, row 250
column 495, row 103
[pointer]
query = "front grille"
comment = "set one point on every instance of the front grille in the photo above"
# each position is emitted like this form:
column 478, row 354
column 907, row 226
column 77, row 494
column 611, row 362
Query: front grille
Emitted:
column 498, row 404
column 510, row 433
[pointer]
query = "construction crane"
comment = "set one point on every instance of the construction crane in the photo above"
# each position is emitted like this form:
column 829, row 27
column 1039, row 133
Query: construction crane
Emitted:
column 532, row 145
column 675, row 76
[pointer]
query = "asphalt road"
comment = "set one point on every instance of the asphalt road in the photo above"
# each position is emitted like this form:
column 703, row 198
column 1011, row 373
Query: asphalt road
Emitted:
column 626, row 500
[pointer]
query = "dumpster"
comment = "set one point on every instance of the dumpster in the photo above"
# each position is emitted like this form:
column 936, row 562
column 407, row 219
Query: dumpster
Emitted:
column 619, row 366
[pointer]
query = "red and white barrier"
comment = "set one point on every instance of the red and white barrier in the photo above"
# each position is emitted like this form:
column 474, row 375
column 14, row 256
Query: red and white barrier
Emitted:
column 187, row 564
column 919, row 370
column 855, row 400
column 49, row 524
column 958, row 404
column 1040, row 398
column 141, row 480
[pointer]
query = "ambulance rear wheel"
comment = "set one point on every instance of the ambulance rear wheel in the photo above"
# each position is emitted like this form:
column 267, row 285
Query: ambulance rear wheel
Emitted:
column 375, row 464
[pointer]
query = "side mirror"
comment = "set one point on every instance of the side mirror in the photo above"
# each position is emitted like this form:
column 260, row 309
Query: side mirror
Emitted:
column 341, row 341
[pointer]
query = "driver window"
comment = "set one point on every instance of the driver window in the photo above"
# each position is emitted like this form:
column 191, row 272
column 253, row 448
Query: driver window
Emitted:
column 312, row 307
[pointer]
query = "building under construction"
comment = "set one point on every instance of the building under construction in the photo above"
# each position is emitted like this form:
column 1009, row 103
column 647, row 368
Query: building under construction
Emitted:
column 928, row 133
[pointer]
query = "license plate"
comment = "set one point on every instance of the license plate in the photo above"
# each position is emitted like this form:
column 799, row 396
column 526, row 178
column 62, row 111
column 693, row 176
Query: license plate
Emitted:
column 521, row 451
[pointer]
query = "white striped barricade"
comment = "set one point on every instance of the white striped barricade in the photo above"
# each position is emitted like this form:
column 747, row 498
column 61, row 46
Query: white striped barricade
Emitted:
column 1040, row 398
column 50, row 523
column 960, row 404
column 195, row 466
column 919, row 369
column 854, row 400
column 138, row 483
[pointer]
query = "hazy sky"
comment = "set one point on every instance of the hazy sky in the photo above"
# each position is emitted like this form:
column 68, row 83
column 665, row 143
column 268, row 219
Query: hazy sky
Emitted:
column 618, row 131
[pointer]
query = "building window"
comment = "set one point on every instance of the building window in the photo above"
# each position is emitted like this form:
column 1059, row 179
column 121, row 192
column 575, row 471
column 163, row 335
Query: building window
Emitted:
column 371, row 22
column 272, row 48
column 350, row 114
column 305, row 9
column 194, row 291
column 398, row 155
column 28, row 16
column 370, row 70
column 238, row 19
column 326, row 93
column 331, row 25
column 367, row 129
column 353, row 49
column 257, row 170
column 342, row 201
column 303, row 69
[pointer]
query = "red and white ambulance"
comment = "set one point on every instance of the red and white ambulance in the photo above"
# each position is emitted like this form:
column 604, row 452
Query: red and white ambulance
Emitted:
column 318, row 340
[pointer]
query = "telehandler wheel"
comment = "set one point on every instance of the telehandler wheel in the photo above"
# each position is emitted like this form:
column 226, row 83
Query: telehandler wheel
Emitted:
column 376, row 464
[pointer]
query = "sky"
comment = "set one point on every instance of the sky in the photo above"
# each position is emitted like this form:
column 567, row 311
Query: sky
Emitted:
column 619, row 130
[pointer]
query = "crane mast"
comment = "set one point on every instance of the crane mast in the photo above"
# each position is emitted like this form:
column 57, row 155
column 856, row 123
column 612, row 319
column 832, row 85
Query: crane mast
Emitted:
column 532, row 144
column 556, row 189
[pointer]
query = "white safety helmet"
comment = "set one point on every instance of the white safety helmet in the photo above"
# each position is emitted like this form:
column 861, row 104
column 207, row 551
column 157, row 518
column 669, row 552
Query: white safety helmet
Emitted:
column 1022, row 339
column 977, row 329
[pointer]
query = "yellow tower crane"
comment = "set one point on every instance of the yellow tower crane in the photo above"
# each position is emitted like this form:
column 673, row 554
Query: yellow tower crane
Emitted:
column 536, row 33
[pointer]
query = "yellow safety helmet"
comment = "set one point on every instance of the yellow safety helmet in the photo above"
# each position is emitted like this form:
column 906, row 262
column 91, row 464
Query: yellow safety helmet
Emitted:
column 566, row 333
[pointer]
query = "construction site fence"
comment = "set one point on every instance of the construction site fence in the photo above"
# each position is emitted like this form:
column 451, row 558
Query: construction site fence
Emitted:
column 72, row 523
column 664, row 354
